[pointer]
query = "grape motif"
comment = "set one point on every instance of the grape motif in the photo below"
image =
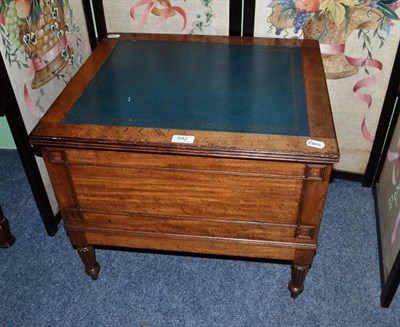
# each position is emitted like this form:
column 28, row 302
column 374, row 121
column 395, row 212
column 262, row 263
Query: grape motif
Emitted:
column 13, row 23
column 300, row 20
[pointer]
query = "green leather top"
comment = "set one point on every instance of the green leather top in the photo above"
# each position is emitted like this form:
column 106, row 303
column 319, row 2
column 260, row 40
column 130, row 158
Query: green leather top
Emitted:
column 198, row 86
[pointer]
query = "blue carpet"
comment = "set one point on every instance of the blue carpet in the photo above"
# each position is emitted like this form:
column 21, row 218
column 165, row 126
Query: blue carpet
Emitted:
column 42, row 279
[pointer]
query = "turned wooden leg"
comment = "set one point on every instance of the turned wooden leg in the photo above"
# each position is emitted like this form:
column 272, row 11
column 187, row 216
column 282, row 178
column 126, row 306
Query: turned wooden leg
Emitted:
column 6, row 239
column 88, row 256
column 296, row 285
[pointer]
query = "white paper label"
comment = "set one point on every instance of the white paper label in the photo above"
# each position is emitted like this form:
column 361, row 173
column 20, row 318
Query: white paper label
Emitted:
column 113, row 36
column 315, row 144
column 182, row 139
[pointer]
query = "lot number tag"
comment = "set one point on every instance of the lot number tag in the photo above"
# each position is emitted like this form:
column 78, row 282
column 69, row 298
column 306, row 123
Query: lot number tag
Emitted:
column 182, row 139
column 315, row 144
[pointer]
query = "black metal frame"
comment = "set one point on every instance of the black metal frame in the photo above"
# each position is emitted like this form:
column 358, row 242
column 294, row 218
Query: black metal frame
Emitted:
column 384, row 130
column 90, row 23
column 249, row 17
column 391, row 284
column 387, row 123
column 15, row 121
column 235, row 17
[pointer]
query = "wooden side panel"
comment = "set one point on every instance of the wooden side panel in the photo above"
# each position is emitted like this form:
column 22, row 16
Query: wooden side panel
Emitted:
column 163, row 186
column 182, row 193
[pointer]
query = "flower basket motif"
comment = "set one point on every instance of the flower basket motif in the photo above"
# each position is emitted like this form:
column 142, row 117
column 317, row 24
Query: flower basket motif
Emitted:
column 37, row 28
column 333, row 42
column 44, row 41
column 331, row 22
column 41, row 42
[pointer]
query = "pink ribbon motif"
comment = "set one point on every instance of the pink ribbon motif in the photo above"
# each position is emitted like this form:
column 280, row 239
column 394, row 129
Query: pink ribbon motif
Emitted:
column 41, row 62
column 2, row 19
column 165, row 11
column 368, row 81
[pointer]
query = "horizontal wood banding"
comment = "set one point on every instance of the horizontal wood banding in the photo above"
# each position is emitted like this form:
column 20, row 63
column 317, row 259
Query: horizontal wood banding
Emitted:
column 252, row 230
column 193, row 245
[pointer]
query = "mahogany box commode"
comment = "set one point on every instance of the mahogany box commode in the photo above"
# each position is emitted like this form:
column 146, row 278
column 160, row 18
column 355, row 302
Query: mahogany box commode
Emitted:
column 213, row 145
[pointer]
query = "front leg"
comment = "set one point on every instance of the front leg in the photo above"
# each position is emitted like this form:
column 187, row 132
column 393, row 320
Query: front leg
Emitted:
column 301, row 263
column 296, row 285
column 88, row 256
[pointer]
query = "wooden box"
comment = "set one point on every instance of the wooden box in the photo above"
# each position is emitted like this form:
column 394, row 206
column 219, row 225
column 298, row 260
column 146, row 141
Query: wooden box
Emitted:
column 214, row 145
